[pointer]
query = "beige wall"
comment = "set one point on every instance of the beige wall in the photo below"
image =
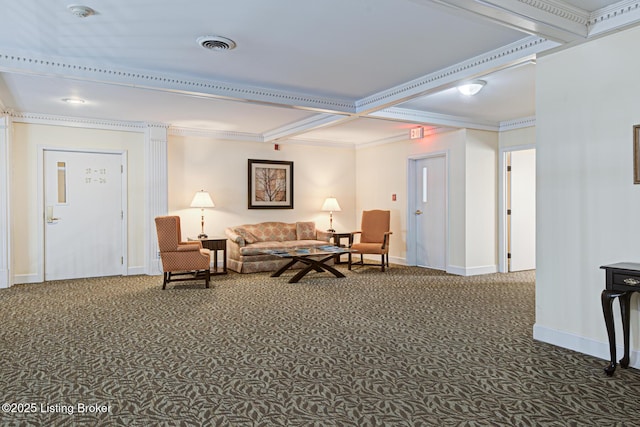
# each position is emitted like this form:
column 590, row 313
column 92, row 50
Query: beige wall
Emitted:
column 481, row 208
column 587, row 204
column 517, row 137
column 27, row 262
column 220, row 167
column 472, row 198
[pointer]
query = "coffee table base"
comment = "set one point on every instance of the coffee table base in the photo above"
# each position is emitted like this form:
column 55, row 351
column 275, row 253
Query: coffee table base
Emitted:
column 318, row 265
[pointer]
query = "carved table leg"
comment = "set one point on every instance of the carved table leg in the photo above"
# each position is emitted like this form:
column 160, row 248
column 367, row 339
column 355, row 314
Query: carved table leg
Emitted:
column 607, row 298
column 625, row 303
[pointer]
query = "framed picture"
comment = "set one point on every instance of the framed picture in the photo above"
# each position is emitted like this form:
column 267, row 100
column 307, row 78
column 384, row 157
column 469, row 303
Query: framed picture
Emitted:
column 270, row 184
column 636, row 154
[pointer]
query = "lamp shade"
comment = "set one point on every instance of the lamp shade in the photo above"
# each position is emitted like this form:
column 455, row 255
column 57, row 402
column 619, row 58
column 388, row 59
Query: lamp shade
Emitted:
column 202, row 199
column 331, row 205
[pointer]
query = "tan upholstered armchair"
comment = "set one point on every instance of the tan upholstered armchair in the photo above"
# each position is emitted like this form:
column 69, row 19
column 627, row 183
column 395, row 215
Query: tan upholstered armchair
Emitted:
column 180, row 260
column 374, row 237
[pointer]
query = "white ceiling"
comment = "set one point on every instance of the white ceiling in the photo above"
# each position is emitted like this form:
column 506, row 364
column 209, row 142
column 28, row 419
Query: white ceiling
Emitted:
column 330, row 72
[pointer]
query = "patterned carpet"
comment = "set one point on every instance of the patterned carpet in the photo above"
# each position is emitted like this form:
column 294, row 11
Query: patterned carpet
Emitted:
column 409, row 347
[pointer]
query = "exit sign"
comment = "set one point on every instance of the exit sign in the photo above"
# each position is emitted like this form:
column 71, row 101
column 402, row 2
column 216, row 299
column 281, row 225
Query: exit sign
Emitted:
column 416, row 133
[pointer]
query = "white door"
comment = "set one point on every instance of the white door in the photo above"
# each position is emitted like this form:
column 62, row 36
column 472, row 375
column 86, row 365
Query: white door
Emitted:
column 430, row 212
column 522, row 229
column 83, row 214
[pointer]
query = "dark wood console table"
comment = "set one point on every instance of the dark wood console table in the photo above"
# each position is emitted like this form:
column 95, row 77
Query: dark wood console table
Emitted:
column 622, row 280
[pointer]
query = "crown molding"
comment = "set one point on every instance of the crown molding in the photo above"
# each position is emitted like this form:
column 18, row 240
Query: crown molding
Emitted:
column 614, row 17
column 520, row 123
column 506, row 56
column 559, row 9
column 79, row 122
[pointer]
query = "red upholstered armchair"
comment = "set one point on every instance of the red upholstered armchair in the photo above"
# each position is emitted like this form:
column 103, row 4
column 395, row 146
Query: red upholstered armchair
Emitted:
column 374, row 237
column 181, row 261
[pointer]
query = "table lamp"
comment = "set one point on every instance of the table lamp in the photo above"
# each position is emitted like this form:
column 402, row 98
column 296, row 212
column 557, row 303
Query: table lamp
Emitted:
column 331, row 205
column 202, row 200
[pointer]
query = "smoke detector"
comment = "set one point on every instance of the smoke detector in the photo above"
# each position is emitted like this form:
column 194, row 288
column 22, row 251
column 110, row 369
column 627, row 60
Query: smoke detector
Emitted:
column 80, row 11
column 216, row 43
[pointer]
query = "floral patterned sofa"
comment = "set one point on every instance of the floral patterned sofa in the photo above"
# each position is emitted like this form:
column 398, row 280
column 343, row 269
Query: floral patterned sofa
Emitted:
column 246, row 243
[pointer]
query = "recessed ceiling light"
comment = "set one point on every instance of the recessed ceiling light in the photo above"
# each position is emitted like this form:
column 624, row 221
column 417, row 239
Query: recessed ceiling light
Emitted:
column 73, row 100
column 80, row 11
column 471, row 88
column 216, row 43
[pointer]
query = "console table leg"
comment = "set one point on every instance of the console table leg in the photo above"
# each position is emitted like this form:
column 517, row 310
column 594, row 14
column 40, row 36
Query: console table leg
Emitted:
column 607, row 298
column 625, row 306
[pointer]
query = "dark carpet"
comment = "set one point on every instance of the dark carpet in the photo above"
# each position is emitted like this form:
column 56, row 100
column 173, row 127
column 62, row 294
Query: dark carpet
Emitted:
column 408, row 347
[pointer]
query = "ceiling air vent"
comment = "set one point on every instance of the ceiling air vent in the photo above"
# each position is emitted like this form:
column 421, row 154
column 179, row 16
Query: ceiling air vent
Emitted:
column 216, row 43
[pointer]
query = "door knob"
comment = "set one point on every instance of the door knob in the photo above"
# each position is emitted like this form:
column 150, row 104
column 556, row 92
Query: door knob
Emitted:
column 418, row 212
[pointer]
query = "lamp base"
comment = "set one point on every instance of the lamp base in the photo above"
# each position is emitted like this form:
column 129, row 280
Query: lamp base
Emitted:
column 202, row 236
column 331, row 230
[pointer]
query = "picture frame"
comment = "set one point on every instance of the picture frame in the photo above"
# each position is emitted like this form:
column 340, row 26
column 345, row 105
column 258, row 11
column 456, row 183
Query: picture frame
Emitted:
column 270, row 184
column 636, row 154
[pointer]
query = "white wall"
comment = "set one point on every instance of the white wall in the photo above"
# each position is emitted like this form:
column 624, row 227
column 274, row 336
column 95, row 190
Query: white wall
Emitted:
column 220, row 167
column 24, row 210
column 588, row 99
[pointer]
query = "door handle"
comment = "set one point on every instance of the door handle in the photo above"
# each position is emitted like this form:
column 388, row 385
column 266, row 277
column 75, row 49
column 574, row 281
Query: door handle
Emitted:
column 418, row 212
column 50, row 218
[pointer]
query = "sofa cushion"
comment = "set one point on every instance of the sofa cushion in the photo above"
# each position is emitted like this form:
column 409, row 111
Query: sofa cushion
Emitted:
column 248, row 236
column 272, row 231
column 259, row 247
column 306, row 230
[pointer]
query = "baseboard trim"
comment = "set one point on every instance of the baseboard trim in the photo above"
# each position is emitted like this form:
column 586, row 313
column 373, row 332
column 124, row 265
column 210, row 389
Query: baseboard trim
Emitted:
column 135, row 271
column 21, row 279
column 471, row 271
column 4, row 279
column 583, row 345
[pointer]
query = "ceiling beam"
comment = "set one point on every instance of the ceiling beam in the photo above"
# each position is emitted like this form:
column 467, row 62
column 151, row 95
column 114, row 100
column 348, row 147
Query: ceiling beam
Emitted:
column 434, row 119
column 42, row 65
column 504, row 57
column 302, row 126
column 550, row 19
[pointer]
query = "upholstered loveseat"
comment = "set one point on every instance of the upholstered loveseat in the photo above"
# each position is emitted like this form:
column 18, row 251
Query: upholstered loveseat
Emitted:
column 246, row 242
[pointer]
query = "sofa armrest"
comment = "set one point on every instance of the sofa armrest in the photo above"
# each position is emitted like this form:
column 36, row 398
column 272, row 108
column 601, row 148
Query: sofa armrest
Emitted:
column 323, row 235
column 234, row 237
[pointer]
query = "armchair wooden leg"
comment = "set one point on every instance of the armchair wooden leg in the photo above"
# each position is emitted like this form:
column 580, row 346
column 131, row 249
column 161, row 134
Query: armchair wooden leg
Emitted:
column 207, row 277
column 382, row 262
column 349, row 261
column 165, row 278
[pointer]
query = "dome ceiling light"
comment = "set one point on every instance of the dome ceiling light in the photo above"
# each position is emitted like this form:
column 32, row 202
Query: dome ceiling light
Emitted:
column 80, row 11
column 471, row 88
column 216, row 43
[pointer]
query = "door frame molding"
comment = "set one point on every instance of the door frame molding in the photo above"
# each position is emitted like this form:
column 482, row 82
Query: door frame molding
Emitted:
column 411, row 258
column 40, row 202
column 502, row 202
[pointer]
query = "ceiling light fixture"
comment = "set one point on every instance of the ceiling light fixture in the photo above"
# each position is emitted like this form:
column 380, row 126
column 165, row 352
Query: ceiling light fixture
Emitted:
column 80, row 11
column 73, row 100
column 216, row 43
column 471, row 88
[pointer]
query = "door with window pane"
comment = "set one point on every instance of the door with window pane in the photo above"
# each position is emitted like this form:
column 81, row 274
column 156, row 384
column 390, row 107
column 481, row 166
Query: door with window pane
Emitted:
column 83, row 214
column 430, row 198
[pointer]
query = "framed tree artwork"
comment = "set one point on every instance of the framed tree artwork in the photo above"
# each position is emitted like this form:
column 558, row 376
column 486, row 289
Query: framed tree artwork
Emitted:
column 270, row 184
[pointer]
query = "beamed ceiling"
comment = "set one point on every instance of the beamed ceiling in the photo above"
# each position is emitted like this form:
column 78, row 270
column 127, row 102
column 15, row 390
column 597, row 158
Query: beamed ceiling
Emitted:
column 335, row 72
